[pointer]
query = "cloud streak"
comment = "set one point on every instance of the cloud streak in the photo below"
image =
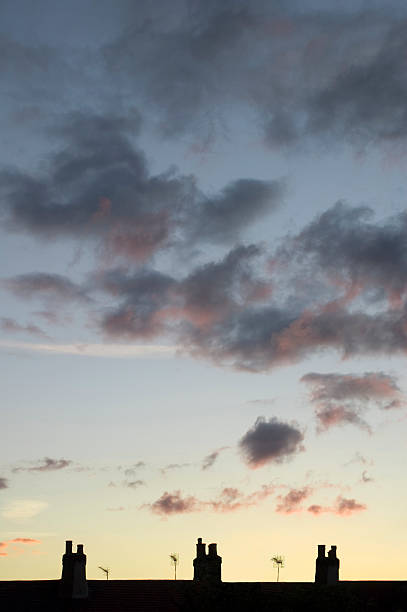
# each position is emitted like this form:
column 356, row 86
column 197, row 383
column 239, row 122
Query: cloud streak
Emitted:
column 45, row 465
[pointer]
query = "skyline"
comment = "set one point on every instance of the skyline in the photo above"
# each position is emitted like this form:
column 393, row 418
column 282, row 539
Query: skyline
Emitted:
column 204, row 259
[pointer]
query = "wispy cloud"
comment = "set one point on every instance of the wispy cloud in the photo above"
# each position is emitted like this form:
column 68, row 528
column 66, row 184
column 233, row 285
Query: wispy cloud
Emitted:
column 342, row 507
column 92, row 350
column 11, row 326
column 45, row 465
column 210, row 459
column 4, row 545
column 229, row 499
column 22, row 509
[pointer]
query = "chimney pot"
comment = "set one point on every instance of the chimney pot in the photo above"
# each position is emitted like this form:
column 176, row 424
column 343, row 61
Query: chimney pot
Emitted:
column 68, row 547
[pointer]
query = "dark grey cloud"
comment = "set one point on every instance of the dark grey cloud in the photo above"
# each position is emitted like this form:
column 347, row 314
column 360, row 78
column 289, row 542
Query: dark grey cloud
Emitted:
column 341, row 398
column 152, row 302
column 335, row 73
column 45, row 465
column 3, row 483
column 354, row 252
column 98, row 186
column 40, row 284
column 143, row 296
column 220, row 219
column 365, row 101
column 270, row 441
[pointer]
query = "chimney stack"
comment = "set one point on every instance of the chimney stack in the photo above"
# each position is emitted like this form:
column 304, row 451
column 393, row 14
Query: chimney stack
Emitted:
column 326, row 567
column 73, row 583
column 207, row 567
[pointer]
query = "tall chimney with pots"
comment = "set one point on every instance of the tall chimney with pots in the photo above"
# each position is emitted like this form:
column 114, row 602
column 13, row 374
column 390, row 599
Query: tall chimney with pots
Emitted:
column 73, row 583
column 207, row 567
column 326, row 567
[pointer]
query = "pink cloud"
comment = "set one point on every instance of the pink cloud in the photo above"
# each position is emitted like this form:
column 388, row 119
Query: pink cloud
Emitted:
column 4, row 545
column 342, row 507
column 291, row 502
column 230, row 499
column 174, row 503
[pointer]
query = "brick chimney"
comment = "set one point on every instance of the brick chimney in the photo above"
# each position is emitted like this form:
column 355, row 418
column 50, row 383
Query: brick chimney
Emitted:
column 73, row 583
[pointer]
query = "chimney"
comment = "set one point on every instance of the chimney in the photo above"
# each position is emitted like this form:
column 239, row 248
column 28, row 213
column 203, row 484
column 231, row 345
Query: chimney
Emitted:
column 73, row 583
column 333, row 566
column 207, row 567
column 200, row 549
column 326, row 567
column 321, row 550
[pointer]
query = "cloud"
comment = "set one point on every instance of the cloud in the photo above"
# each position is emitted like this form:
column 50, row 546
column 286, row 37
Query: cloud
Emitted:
column 341, row 507
column 332, row 75
column 11, row 326
column 98, row 187
column 221, row 218
column 340, row 398
column 174, row 503
column 364, row 102
column 45, row 465
column 229, row 499
column 291, row 501
column 330, row 416
column 133, row 469
column 153, row 303
column 173, row 466
column 358, row 458
column 270, row 441
column 353, row 252
column 4, row 545
column 133, row 484
column 53, row 286
column 118, row 509
column 26, row 540
column 366, row 478
column 107, row 351
column 3, row 483
column 23, row 509
column 346, row 507
column 210, row 459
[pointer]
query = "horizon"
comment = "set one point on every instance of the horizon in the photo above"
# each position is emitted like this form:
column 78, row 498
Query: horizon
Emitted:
column 203, row 328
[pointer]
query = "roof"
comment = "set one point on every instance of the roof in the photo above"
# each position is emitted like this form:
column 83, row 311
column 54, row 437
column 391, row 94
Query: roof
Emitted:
column 186, row 596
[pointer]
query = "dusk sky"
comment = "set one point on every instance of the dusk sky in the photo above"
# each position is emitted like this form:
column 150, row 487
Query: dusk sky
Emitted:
column 203, row 324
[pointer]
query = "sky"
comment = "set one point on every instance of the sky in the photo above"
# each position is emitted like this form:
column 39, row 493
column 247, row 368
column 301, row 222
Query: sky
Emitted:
column 203, row 323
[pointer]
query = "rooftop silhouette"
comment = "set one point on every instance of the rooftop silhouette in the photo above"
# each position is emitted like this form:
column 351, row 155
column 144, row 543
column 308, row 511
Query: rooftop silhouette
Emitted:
column 205, row 592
